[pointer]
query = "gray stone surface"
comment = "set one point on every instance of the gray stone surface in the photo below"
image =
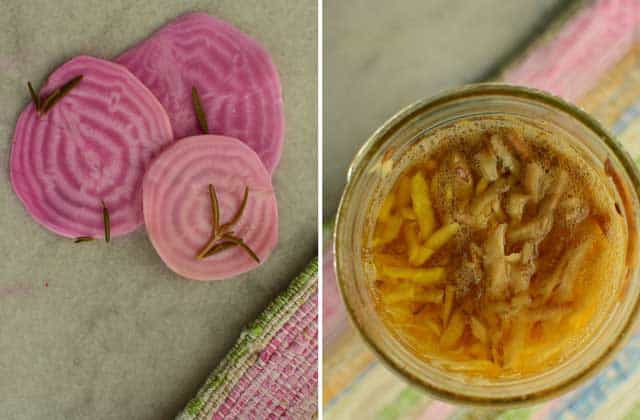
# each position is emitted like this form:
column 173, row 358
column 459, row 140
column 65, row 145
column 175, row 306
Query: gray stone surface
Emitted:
column 382, row 55
column 115, row 334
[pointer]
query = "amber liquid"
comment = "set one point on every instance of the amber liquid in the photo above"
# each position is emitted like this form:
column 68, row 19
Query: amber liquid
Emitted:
column 532, row 245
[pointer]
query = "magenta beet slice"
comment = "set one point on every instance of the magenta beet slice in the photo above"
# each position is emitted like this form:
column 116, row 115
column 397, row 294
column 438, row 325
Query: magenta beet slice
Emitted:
column 94, row 145
column 177, row 209
column 235, row 78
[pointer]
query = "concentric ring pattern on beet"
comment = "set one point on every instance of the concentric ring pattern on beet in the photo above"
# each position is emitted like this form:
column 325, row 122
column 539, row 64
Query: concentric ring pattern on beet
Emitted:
column 92, row 147
column 178, row 210
column 235, row 77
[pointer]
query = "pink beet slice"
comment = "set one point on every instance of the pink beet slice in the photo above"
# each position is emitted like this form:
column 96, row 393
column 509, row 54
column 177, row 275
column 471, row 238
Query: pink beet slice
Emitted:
column 92, row 146
column 234, row 76
column 177, row 208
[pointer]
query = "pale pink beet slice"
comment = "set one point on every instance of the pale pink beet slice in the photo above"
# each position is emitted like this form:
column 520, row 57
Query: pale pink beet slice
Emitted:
column 177, row 209
column 235, row 78
column 94, row 145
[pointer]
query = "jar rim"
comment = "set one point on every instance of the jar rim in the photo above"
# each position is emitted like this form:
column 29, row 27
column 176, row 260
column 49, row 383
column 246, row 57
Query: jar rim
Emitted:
column 422, row 106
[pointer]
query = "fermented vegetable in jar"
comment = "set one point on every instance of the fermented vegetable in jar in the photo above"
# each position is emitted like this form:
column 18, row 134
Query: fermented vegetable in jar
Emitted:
column 493, row 249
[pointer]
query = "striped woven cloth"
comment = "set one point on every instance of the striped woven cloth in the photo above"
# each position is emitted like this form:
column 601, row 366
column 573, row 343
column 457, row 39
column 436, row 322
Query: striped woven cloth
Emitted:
column 591, row 58
column 272, row 371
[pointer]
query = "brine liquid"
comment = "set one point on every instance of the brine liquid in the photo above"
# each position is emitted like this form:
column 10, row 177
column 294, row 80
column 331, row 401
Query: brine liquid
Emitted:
column 498, row 249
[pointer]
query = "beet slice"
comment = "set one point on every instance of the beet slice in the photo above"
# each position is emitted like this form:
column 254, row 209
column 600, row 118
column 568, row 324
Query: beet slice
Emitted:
column 92, row 146
column 177, row 208
column 235, row 77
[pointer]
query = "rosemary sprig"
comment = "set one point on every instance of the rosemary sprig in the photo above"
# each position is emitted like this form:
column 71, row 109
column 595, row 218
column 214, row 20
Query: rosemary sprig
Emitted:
column 197, row 105
column 83, row 239
column 107, row 222
column 58, row 94
column 222, row 237
column 34, row 97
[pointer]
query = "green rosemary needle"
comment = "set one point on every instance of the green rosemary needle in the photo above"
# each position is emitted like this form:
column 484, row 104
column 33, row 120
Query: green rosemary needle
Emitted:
column 83, row 239
column 34, row 97
column 219, row 248
column 197, row 105
column 59, row 93
column 242, row 245
column 215, row 208
column 107, row 222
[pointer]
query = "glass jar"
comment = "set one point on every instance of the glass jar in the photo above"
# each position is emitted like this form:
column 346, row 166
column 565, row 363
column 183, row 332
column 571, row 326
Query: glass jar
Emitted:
column 372, row 172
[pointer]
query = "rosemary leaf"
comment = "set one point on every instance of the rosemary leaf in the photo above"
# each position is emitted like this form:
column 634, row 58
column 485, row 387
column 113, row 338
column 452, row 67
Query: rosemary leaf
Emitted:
column 66, row 88
column 83, row 239
column 205, row 250
column 50, row 101
column 219, row 248
column 238, row 214
column 59, row 93
column 215, row 208
column 34, row 97
column 197, row 105
column 242, row 245
column 107, row 222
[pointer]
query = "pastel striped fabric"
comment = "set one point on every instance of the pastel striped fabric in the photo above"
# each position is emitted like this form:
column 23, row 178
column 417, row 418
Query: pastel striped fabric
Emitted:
column 271, row 372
